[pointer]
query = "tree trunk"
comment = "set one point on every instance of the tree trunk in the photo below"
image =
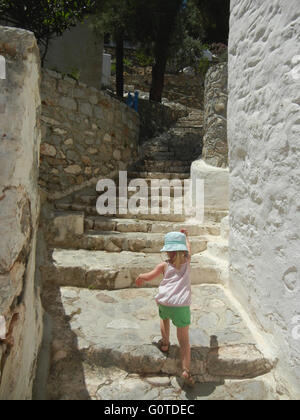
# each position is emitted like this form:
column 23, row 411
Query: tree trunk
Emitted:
column 45, row 52
column 158, row 73
column 166, row 27
column 120, row 64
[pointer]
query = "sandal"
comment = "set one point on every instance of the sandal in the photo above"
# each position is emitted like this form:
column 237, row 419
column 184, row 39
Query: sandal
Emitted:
column 163, row 347
column 187, row 377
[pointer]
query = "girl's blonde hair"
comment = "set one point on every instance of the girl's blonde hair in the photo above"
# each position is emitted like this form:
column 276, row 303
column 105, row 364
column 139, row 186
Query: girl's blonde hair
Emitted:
column 177, row 258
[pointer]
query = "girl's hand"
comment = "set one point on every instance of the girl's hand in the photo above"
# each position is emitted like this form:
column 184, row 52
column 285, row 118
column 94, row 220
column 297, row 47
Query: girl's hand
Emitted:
column 139, row 281
column 185, row 232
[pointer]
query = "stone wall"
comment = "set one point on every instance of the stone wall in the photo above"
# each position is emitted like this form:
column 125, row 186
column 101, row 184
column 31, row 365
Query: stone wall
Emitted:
column 19, row 213
column 86, row 134
column 212, row 167
column 263, row 133
column 215, row 147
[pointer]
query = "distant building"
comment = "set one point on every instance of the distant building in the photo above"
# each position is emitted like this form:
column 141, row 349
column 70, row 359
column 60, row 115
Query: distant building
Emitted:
column 80, row 52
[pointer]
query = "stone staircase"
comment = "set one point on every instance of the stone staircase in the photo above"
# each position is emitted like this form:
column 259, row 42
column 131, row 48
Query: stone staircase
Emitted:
column 174, row 150
column 105, row 330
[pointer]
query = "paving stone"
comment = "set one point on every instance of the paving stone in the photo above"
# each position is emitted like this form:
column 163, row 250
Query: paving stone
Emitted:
column 110, row 331
column 159, row 381
column 130, row 389
column 247, row 390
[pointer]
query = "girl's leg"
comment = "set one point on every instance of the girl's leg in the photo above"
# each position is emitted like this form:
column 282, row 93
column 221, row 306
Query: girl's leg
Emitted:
column 165, row 333
column 185, row 348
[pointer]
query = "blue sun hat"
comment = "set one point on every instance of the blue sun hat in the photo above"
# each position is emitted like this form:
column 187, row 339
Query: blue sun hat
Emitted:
column 175, row 241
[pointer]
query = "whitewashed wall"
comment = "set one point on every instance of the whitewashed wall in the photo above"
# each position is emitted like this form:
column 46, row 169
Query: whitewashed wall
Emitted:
column 264, row 148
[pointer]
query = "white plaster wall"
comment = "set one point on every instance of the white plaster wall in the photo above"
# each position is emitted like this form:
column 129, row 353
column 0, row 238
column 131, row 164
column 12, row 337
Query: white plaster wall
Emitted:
column 264, row 154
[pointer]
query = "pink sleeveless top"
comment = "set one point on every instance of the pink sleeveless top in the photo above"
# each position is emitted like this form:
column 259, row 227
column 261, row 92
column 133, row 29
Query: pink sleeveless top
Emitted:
column 175, row 289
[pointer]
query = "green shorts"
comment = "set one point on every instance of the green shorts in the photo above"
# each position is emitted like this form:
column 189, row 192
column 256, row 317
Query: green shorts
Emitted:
column 180, row 315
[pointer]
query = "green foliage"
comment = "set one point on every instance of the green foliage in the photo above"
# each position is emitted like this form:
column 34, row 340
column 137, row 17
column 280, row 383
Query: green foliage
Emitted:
column 3, row 5
column 215, row 16
column 46, row 18
column 143, row 59
column 166, row 32
column 74, row 74
column 203, row 66
column 186, row 44
column 128, row 65
column 113, row 17
column 113, row 66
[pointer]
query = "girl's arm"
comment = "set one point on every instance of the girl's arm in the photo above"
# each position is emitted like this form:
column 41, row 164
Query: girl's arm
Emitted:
column 188, row 244
column 151, row 275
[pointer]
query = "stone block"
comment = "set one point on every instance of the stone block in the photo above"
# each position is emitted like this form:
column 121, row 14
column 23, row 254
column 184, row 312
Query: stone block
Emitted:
column 19, row 202
column 48, row 150
column 68, row 225
column 73, row 169
column 238, row 361
column 15, row 211
column 68, row 103
column 86, row 109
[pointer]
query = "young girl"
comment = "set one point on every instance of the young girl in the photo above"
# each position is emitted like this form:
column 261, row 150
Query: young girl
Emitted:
column 174, row 295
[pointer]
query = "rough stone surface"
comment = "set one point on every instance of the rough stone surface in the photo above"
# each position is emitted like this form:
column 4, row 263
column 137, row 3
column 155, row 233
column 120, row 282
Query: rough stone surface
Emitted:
column 176, row 148
column 121, row 329
column 156, row 118
column 107, row 326
column 100, row 383
column 215, row 146
column 20, row 137
column 86, row 134
column 92, row 361
column 263, row 133
column 117, row 270
column 110, row 240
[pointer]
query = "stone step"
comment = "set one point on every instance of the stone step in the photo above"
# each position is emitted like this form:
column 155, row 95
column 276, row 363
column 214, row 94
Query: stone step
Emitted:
column 129, row 225
column 103, row 270
column 90, row 194
column 90, row 200
column 210, row 216
column 157, row 175
column 120, row 329
column 167, row 166
column 92, row 211
column 189, row 125
column 158, row 155
column 219, row 249
column 153, row 387
column 215, row 215
column 117, row 242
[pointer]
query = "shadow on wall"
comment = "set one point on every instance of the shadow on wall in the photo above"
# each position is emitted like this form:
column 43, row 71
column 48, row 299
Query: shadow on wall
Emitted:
column 66, row 380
